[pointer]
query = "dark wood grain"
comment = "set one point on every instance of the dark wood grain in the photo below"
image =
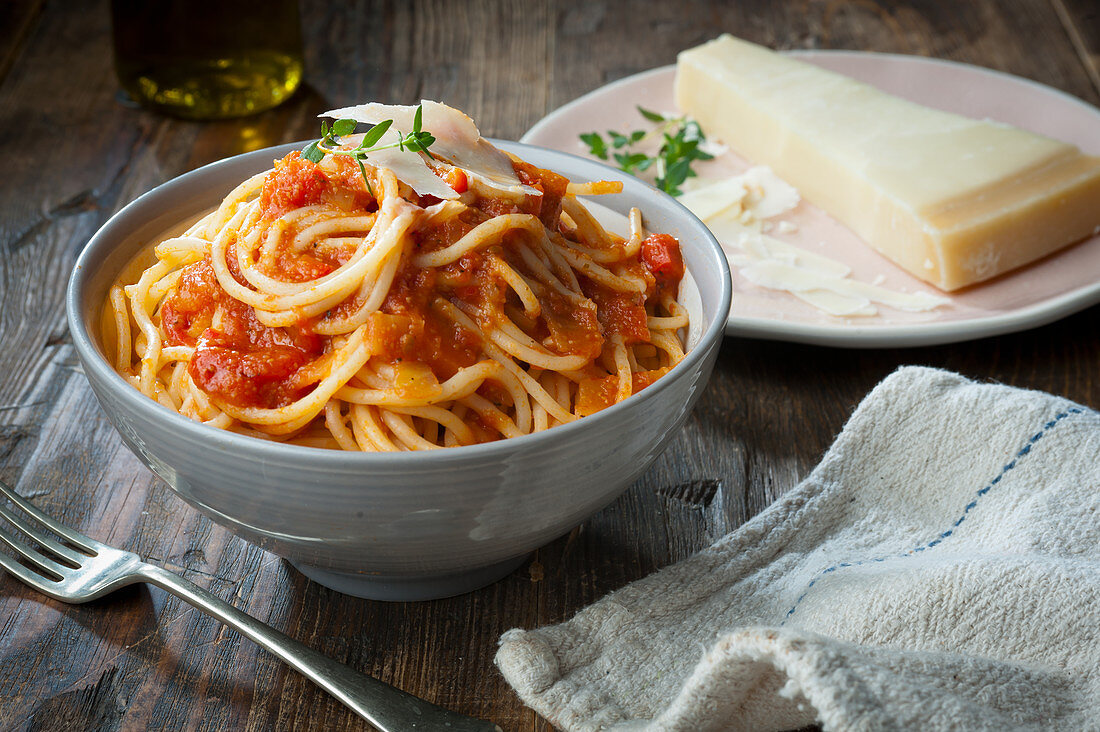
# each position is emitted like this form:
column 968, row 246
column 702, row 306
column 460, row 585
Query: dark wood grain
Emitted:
column 1081, row 19
column 16, row 22
column 74, row 154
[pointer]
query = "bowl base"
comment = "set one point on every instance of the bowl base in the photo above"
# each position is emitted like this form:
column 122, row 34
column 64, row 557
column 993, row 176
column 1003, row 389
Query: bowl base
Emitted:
column 405, row 588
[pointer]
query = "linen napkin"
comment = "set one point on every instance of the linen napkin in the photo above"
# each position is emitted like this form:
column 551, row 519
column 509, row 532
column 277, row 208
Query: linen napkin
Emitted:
column 940, row 569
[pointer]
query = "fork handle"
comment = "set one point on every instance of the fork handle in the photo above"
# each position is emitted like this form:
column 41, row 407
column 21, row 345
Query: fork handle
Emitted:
column 387, row 708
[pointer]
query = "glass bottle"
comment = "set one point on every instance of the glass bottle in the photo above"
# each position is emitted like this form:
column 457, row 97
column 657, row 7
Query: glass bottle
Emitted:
column 208, row 59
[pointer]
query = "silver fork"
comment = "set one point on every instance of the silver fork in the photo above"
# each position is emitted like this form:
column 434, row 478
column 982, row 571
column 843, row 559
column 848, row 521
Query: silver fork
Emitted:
column 74, row 576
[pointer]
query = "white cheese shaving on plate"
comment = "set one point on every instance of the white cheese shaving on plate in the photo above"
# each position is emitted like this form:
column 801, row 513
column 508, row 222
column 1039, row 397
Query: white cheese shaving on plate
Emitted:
column 756, row 194
column 735, row 210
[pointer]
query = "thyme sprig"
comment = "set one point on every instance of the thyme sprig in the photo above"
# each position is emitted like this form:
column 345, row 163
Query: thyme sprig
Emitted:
column 680, row 140
column 419, row 140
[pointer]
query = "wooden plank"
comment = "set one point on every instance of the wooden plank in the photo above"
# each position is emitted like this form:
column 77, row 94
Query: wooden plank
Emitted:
column 983, row 33
column 485, row 58
column 17, row 19
column 1081, row 19
column 995, row 35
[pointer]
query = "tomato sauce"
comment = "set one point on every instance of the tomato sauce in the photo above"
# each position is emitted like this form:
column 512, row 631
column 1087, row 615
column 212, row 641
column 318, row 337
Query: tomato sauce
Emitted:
column 294, row 183
column 550, row 184
column 572, row 327
column 408, row 328
column 596, row 394
column 248, row 364
column 620, row 313
column 243, row 361
column 661, row 256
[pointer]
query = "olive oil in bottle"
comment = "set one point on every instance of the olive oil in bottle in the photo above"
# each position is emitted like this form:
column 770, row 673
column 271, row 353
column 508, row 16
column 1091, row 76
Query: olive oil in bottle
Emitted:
column 208, row 59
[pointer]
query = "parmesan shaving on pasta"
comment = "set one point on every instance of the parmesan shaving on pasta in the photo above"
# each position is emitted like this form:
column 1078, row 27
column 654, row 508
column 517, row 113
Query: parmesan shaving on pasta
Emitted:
column 457, row 142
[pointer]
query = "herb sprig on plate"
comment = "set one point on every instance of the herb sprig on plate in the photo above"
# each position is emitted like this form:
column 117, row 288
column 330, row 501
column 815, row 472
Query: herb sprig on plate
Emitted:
column 680, row 140
column 419, row 140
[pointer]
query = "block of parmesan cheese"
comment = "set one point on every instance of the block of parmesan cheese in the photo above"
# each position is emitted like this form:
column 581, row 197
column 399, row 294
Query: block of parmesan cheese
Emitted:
column 952, row 200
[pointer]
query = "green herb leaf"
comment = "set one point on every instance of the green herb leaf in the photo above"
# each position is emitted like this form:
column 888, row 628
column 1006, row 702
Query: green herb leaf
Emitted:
column 596, row 144
column 633, row 163
column 619, row 140
column 675, row 175
column 418, row 118
column 343, row 127
column 312, row 152
column 680, row 140
column 419, row 140
column 363, row 172
column 374, row 134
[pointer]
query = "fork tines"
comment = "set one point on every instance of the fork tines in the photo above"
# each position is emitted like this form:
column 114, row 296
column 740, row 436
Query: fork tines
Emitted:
column 62, row 557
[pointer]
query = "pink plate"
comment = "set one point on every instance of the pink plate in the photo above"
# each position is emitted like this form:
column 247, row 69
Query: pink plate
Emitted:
column 1057, row 286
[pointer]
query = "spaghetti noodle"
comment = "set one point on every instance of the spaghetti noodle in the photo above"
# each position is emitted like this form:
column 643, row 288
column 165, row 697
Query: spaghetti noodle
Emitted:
column 333, row 305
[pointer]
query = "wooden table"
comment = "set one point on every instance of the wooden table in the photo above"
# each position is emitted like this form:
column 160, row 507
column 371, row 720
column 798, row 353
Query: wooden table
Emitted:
column 73, row 155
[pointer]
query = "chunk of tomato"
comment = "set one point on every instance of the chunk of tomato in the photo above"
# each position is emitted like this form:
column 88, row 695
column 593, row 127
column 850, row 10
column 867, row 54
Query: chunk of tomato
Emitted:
column 661, row 255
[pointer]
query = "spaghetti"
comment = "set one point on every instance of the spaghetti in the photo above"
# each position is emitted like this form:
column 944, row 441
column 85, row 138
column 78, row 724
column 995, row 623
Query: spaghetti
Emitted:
column 332, row 305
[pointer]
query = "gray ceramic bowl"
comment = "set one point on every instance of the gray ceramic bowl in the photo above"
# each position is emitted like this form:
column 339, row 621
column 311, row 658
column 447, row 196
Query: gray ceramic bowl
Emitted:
column 399, row 526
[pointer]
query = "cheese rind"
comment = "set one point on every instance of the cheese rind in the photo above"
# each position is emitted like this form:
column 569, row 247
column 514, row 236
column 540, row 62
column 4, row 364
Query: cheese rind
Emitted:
column 971, row 198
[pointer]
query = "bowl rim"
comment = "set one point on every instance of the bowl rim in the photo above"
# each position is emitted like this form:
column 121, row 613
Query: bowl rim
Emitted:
column 104, row 241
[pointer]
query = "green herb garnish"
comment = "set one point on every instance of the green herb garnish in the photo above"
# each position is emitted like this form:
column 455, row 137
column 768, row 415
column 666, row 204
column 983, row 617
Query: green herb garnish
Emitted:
column 680, row 139
column 419, row 140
